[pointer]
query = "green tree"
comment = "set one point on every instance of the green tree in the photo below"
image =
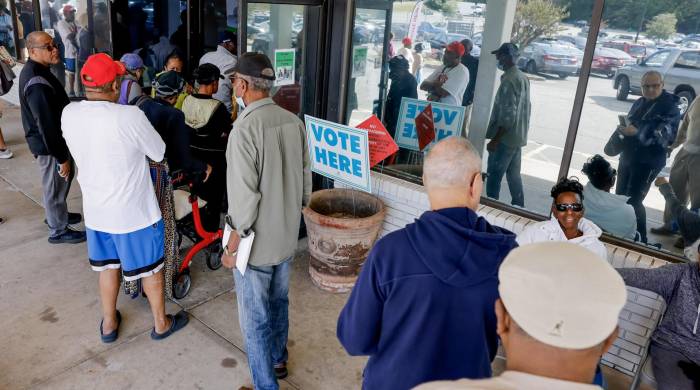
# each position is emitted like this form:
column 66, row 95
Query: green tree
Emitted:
column 535, row 18
column 662, row 26
column 447, row 7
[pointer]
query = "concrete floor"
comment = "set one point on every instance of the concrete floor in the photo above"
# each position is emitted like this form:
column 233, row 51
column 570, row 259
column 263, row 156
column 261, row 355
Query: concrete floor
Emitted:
column 51, row 313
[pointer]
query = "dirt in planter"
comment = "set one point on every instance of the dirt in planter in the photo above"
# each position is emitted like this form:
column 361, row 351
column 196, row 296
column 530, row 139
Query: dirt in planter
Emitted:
column 342, row 215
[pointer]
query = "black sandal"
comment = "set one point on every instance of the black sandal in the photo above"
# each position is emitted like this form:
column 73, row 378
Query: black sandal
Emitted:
column 112, row 337
column 177, row 322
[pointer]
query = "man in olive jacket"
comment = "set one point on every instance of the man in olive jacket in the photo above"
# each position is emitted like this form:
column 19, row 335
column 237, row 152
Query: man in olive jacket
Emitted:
column 268, row 181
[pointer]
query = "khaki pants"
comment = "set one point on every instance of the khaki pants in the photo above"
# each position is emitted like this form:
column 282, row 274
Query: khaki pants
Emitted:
column 685, row 181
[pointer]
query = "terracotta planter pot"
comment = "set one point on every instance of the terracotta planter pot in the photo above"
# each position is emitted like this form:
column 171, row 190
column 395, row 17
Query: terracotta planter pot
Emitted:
column 342, row 226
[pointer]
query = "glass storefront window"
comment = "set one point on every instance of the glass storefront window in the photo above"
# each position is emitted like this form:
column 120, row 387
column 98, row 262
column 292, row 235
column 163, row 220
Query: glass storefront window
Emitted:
column 278, row 31
column 218, row 16
column 25, row 26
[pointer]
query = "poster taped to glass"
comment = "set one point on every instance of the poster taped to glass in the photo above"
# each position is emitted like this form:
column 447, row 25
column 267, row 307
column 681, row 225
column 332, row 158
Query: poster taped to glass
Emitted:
column 359, row 61
column 284, row 66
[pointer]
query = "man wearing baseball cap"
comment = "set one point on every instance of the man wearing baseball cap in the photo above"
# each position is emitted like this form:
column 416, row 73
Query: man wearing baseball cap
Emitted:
column 557, row 315
column 407, row 53
column 508, row 127
column 110, row 143
column 130, row 88
column 225, row 59
column 212, row 125
column 68, row 31
column 448, row 83
column 268, row 181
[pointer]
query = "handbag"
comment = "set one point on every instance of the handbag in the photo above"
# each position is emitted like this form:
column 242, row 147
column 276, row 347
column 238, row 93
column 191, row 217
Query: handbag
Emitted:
column 7, row 77
column 615, row 144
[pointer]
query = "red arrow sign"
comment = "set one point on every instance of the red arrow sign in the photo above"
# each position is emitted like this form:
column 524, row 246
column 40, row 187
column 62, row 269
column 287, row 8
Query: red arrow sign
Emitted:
column 425, row 126
column 381, row 145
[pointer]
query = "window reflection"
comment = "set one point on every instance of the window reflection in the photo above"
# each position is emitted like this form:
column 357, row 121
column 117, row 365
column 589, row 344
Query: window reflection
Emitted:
column 7, row 29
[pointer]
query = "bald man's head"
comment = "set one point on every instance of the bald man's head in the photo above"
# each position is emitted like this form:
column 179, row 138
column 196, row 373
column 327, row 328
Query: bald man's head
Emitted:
column 41, row 48
column 452, row 162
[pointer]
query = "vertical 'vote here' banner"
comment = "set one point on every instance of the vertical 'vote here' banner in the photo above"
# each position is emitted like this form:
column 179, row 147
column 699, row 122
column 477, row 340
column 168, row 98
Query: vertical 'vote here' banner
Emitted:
column 339, row 152
column 447, row 119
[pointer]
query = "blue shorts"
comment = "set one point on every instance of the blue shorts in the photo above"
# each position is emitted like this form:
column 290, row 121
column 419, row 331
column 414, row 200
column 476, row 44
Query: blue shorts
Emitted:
column 139, row 253
column 70, row 64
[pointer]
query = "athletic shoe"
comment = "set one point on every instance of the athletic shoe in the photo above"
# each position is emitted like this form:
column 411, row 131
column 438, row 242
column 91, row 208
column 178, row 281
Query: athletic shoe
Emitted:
column 5, row 153
column 70, row 236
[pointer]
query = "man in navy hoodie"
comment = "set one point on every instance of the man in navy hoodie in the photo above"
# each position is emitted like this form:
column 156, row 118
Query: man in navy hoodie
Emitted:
column 422, row 307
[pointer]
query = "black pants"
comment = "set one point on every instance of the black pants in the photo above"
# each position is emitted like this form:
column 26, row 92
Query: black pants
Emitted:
column 214, row 189
column 634, row 180
column 673, row 371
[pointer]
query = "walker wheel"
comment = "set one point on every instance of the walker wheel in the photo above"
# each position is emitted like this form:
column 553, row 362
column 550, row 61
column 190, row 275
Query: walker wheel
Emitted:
column 214, row 258
column 182, row 284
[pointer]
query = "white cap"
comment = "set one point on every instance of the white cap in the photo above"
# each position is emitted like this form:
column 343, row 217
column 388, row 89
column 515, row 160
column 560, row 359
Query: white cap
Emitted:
column 562, row 294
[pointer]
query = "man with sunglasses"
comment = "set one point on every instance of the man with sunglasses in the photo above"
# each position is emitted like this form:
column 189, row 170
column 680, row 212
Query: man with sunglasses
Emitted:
column 42, row 99
column 422, row 308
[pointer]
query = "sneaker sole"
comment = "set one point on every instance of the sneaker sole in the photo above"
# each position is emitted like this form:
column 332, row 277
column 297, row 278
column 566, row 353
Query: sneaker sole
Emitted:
column 72, row 241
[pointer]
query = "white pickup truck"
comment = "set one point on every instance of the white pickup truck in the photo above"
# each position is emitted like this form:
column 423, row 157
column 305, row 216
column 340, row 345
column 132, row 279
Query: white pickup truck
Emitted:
column 680, row 68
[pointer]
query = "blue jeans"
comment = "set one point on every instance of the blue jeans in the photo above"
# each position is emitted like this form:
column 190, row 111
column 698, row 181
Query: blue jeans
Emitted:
column 263, row 315
column 505, row 161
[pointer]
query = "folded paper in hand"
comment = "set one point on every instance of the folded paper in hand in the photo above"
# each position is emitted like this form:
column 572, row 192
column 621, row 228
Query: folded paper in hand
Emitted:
column 244, row 248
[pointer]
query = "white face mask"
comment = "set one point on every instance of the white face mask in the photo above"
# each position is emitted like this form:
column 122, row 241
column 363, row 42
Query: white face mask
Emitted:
column 241, row 103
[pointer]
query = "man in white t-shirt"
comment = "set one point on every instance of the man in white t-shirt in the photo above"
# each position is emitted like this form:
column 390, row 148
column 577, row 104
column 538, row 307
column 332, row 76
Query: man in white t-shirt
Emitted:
column 68, row 31
column 124, row 227
column 448, row 83
column 406, row 52
column 556, row 316
column 225, row 59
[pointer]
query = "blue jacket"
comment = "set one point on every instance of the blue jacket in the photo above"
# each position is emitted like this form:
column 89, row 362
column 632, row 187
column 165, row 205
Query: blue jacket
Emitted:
column 423, row 306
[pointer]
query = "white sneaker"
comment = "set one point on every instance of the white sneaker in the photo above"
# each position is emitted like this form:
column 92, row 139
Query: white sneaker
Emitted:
column 5, row 153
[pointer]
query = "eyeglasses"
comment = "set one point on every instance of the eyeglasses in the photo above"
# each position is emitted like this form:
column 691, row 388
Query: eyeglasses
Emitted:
column 47, row 47
column 651, row 86
column 484, row 175
column 575, row 207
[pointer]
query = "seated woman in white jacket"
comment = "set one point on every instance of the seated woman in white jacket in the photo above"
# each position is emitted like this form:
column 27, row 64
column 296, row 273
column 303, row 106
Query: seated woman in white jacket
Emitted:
column 567, row 222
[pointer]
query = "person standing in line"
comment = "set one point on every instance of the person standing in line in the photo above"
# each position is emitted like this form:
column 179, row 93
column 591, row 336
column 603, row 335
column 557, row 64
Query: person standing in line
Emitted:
column 42, row 99
column 407, row 53
column 418, row 62
column 422, row 307
column 111, row 143
column 688, row 221
column 508, row 127
column 68, row 31
column 472, row 63
column 391, row 50
column 549, row 341
column 684, row 178
column 403, row 84
column 5, row 151
column 653, row 124
column 225, row 59
column 130, row 88
column 268, row 180
column 211, row 124
column 447, row 84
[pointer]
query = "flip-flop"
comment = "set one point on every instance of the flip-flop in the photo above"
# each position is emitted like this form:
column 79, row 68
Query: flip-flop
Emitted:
column 112, row 337
column 177, row 322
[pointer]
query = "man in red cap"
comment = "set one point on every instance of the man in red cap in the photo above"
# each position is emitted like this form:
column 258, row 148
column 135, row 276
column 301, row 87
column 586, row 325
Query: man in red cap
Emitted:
column 110, row 143
column 447, row 84
column 68, row 31
column 407, row 53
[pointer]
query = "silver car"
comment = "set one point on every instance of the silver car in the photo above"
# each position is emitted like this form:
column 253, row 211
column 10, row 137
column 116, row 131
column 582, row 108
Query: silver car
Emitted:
column 550, row 57
column 680, row 68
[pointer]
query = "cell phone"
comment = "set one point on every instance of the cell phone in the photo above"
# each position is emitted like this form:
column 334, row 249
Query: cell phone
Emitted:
column 624, row 121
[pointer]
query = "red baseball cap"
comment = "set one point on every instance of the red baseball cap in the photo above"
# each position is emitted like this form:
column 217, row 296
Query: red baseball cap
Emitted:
column 456, row 47
column 100, row 69
column 406, row 41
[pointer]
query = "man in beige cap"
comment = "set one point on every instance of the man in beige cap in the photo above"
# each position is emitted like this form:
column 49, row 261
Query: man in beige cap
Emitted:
column 557, row 316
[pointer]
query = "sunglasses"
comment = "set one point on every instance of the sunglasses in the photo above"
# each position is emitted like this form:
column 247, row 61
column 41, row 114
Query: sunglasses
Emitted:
column 48, row 47
column 575, row 207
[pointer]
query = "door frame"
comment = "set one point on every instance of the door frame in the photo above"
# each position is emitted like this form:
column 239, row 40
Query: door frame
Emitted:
column 314, row 48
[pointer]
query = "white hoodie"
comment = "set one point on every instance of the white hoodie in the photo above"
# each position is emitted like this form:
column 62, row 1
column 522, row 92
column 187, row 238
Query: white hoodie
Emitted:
column 551, row 231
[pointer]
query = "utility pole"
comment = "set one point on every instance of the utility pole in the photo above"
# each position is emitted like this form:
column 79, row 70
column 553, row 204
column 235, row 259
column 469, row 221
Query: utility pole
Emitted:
column 641, row 22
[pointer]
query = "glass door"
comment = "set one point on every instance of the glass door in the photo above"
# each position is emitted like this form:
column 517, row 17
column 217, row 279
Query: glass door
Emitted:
column 368, row 73
column 282, row 32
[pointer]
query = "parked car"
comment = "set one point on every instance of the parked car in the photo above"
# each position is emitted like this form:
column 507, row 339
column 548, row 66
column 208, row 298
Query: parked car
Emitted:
column 636, row 50
column 550, row 57
column 607, row 61
column 680, row 68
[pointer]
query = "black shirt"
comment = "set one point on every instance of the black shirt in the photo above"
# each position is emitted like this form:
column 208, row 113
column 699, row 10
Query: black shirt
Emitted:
column 41, row 104
column 405, row 85
column 472, row 64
